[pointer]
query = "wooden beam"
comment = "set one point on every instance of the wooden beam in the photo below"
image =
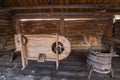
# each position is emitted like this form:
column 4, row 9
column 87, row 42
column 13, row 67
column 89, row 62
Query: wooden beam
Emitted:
column 62, row 14
column 95, row 6
column 65, row 13
column 109, row 29
column 62, row 26
column 22, row 47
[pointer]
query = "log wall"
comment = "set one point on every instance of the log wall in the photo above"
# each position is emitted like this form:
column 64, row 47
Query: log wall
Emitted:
column 6, row 31
column 79, row 32
column 117, row 29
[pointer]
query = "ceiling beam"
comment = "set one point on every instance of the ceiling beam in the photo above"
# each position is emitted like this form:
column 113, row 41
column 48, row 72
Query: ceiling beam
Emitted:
column 65, row 13
column 96, row 6
column 62, row 14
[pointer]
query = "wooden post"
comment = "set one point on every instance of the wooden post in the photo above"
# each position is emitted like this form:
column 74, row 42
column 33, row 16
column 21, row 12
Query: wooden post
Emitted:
column 23, row 53
column 57, row 55
column 62, row 30
column 109, row 29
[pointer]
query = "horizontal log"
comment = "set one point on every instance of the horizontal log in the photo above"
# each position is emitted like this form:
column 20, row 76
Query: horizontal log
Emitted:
column 5, row 21
column 88, row 21
column 2, row 10
column 95, row 6
column 40, row 24
column 57, row 16
column 6, row 27
column 44, row 29
column 65, row 13
column 76, row 33
column 95, row 15
column 41, row 32
column 83, row 29
column 87, row 24
column 76, row 39
column 5, row 18
column 5, row 34
column 3, row 24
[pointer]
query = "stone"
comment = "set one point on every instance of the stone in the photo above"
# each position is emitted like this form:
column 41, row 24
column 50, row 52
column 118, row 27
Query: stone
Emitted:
column 46, row 78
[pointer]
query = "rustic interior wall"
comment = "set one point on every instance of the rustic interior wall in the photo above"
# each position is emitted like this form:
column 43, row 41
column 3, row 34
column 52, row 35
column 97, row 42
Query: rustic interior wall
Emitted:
column 40, row 27
column 117, row 29
column 81, row 33
column 6, row 31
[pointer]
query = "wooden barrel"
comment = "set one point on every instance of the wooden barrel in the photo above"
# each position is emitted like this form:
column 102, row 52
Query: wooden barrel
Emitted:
column 99, row 61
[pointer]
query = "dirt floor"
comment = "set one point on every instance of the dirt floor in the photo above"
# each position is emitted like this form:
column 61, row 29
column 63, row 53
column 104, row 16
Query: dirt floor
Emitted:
column 72, row 68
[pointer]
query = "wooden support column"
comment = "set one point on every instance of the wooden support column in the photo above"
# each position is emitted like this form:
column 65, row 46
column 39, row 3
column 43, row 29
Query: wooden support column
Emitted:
column 22, row 46
column 18, row 29
column 57, row 55
column 109, row 29
column 62, row 30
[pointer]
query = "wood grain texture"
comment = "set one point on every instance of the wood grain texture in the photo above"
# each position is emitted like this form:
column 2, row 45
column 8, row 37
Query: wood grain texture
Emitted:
column 6, row 31
column 94, row 30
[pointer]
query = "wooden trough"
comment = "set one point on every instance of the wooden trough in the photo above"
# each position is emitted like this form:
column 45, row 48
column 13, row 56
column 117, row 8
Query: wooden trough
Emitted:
column 100, row 61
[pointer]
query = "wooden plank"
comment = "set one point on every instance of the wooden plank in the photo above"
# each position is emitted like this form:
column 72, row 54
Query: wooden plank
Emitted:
column 95, row 6
column 42, row 24
column 22, row 47
column 95, row 15
column 42, row 32
column 5, row 18
column 109, row 28
column 67, row 13
column 93, row 20
column 46, row 13
column 39, row 27
column 80, row 28
column 62, row 30
column 43, row 29
column 57, row 55
column 58, row 16
column 5, row 21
